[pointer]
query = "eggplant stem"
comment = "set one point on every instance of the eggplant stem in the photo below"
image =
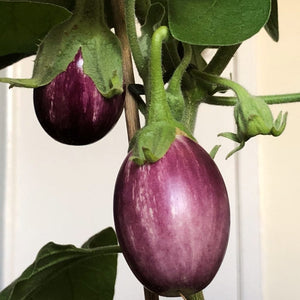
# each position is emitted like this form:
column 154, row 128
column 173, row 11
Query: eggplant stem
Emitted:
column 131, row 110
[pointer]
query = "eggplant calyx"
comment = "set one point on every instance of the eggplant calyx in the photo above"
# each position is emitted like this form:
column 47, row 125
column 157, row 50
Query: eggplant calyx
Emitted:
column 63, row 41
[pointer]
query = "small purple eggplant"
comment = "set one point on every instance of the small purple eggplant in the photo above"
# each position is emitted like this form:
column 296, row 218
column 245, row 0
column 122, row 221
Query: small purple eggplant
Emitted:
column 72, row 110
column 172, row 219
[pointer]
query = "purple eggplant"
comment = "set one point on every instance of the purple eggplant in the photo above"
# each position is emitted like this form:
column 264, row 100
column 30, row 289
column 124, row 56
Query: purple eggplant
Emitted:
column 172, row 219
column 72, row 110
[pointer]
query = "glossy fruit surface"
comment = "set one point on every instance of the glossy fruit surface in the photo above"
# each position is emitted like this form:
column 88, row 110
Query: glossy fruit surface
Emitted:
column 172, row 219
column 72, row 110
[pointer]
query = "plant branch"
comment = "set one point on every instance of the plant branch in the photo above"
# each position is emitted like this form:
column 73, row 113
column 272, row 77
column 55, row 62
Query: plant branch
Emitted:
column 133, row 38
column 131, row 111
column 175, row 81
column 190, row 115
column 158, row 108
column 149, row 295
column 221, row 59
column 269, row 99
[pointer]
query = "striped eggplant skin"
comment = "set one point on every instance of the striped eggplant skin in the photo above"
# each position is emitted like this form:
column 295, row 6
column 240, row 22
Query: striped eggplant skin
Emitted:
column 72, row 110
column 172, row 219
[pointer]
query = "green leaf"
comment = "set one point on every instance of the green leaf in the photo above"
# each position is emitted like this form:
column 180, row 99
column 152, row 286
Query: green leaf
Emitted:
column 217, row 22
column 105, row 237
column 63, row 272
column 272, row 27
column 24, row 25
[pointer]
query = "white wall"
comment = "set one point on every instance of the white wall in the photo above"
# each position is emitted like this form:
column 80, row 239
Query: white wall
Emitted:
column 279, row 72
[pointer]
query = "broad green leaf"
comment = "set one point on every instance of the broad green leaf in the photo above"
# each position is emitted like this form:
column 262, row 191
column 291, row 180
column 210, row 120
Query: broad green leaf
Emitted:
column 272, row 25
column 24, row 24
column 64, row 272
column 217, row 22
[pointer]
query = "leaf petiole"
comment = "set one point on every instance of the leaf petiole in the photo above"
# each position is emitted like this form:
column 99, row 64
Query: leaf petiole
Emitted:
column 269, row 99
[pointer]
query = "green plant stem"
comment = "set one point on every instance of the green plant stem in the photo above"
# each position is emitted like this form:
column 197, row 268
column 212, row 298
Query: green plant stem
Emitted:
column 221, row 59
column 269, row 99
column 133, row 38
column 190, row 115
column 197, row 57
column 91, row 10
column 198, row 296
column 224, row 82
column 158, row 109
column 175, row 82
column 197, row 95
column 171, row 46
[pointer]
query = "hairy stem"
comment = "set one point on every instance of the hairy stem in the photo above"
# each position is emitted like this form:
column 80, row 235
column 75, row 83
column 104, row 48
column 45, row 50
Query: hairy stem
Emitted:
column 269, row 99
column 131, row 111
column 190, row 114
column 175, row 82
column 221, row 59
column 133, row 38
column 158, row 108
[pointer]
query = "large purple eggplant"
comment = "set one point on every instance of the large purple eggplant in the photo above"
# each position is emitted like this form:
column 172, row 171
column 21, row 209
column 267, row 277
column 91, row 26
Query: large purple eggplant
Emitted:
column 72, row 110
column 172, row 219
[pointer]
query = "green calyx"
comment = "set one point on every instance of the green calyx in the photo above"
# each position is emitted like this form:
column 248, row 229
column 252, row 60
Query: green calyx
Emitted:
column 252, row 115
column 86, row 30
column 153, row 141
